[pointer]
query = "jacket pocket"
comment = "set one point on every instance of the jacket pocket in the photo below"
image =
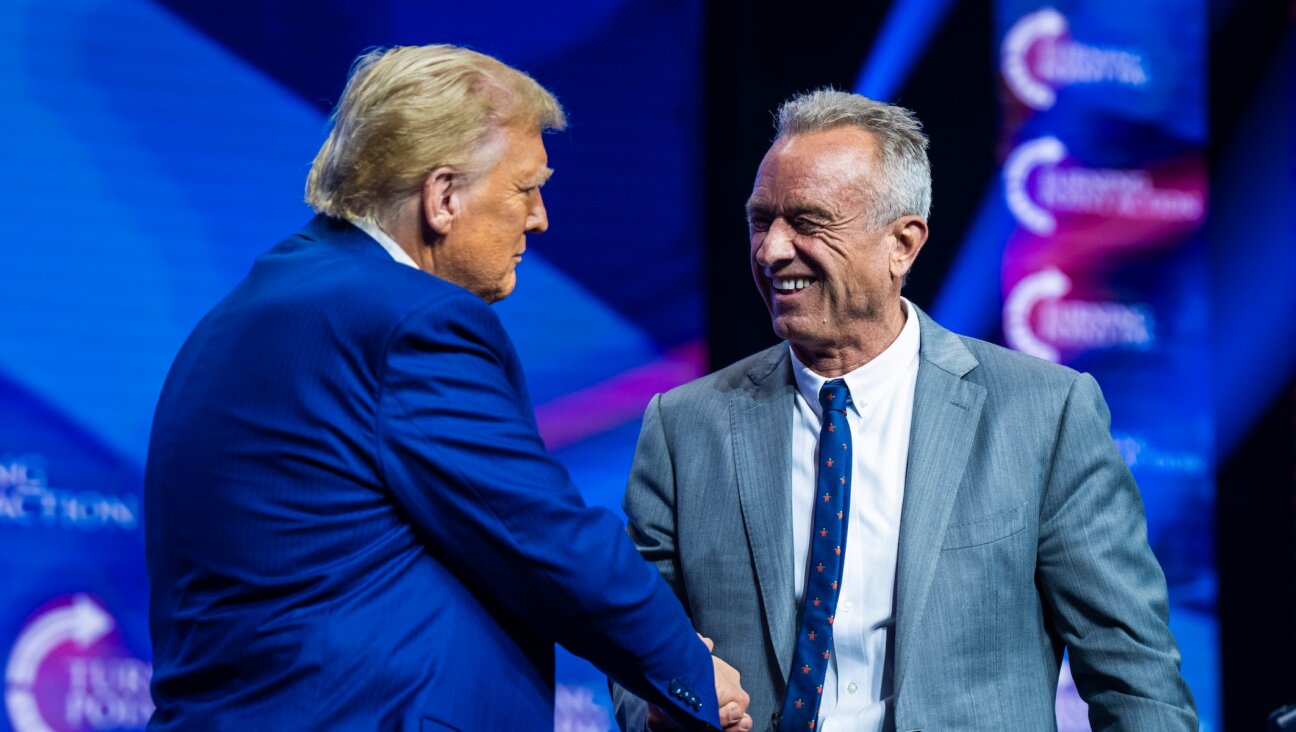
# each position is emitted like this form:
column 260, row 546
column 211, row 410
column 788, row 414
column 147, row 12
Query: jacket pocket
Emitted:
column 987, row 530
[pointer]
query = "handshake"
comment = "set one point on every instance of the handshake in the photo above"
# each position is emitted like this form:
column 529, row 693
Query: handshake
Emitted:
column 729, row 694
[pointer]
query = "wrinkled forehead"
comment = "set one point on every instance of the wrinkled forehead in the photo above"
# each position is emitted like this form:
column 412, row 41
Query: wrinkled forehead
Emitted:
column 515, row 150
column 833, row 165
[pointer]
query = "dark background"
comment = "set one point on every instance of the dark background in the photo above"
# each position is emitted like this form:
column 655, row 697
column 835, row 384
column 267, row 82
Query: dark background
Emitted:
column 754, row 59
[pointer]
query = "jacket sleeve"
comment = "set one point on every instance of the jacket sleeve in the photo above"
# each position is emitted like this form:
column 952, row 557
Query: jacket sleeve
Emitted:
column 459, row 449
column 1101, row 581
column 650, row 506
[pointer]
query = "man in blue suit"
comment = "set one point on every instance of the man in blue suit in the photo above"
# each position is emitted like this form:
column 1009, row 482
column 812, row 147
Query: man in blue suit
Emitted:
column 352, row 522
column 979, row 520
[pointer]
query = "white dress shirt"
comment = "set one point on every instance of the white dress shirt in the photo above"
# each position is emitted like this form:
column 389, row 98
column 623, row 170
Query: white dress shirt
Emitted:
column 388, row 243
column 857, row 689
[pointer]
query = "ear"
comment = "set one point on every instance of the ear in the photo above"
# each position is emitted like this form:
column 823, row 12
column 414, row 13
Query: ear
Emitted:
column 909, row 234
column 441, row 199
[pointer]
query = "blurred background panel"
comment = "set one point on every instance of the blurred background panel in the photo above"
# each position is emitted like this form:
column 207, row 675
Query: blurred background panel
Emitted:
column 1113, row 188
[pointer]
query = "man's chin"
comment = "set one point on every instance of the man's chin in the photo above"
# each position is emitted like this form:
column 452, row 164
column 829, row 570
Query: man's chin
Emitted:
column 784, row 326
column 495, row 294
column 505, row 289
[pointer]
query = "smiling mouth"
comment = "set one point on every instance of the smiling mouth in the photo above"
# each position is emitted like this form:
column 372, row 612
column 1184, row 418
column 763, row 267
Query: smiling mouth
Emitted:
column 788, row 285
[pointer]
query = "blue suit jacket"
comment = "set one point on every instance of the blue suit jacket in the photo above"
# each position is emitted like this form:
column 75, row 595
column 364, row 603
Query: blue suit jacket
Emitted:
column 352, row 522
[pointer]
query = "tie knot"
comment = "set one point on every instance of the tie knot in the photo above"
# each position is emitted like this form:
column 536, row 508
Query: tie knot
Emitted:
column 834, row 396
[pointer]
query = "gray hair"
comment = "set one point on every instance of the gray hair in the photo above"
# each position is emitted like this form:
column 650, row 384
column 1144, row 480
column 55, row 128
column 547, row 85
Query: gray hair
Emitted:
column 409, row 110
column 905, row 187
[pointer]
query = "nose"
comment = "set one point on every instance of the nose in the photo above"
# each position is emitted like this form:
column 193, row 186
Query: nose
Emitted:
column 537, row 217
column 775, row 245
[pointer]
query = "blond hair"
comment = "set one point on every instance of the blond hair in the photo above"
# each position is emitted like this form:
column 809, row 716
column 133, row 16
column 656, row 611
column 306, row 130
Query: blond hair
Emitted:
column 408, row 110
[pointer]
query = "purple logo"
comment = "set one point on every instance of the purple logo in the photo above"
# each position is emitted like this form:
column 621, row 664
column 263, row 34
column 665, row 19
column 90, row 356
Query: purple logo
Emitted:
column 1042, row 182
column 1038, row 57
column 575, row 710
column 68, row 671
column 1040, row 322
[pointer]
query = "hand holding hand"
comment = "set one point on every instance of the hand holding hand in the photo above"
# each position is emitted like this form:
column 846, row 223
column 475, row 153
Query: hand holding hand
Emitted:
column 729, row 693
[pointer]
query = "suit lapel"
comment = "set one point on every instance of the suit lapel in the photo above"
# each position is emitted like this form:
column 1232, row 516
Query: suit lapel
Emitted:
column 761, row 425
column 946, row 413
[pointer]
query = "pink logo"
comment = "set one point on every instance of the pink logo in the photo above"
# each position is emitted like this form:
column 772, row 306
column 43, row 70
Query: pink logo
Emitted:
column 1039, row 320
column 1039, row 56
column 68, row 671
column 1041, row 183
column 575, row 710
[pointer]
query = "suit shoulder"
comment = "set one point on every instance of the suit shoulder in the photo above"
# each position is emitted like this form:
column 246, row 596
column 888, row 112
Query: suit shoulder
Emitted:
column 354, row 277
column 997, row 358
column 1005, row 372
column 717, row 388
column 307, row 300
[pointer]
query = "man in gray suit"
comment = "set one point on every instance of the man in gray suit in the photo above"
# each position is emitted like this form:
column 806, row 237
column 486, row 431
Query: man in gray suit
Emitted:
column 987, row 520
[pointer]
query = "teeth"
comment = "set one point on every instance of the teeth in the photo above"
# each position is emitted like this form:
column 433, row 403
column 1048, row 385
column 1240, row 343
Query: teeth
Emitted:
column 791, row 285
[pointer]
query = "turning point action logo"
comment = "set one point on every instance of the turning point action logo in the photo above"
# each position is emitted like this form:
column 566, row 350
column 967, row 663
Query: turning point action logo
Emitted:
column 1038, row 56
column 1038, row 184
column 27, row 500
column 1038, row 322
column 68, row 671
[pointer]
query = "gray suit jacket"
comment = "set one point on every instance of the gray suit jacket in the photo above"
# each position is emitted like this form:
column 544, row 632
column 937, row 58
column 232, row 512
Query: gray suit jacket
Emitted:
column 1021, row 533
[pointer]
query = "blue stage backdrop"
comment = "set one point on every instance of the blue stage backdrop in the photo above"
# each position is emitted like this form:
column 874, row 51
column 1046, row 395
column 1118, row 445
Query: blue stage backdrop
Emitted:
column 1105, row 264
column 1089, row 250
column 153, row 150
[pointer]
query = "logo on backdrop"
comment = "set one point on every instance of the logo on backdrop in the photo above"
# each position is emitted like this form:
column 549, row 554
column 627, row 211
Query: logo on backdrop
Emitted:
column 576, row 711
column 1038, row 185
column 1039, row 322
column 68, row 671
column 1141, row 453
column 1038, row 57
column 27, row 499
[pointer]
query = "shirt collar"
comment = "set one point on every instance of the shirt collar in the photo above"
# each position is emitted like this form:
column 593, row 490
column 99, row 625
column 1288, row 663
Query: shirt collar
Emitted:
column 868, row 382
column 388, row 243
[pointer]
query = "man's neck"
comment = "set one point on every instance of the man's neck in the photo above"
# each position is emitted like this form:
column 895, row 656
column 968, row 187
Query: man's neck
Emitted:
column 866, row 341
column 406, row 229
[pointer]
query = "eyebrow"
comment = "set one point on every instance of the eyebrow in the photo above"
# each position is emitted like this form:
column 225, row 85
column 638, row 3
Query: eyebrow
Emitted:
column 792, row 211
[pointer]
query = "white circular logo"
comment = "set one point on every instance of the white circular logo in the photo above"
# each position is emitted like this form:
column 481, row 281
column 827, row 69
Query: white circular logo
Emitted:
column 68, row 672
column 1044, row 151
column 1045, row 24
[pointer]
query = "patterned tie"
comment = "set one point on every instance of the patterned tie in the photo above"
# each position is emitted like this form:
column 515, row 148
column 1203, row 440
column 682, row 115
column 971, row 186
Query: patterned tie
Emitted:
column 832, row 502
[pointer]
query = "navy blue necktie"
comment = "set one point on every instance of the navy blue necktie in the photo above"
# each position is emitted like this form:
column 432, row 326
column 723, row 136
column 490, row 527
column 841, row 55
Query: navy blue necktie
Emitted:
column 827, row 546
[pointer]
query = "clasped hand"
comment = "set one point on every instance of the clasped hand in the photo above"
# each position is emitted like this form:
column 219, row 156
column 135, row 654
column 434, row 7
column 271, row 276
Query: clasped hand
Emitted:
column 729, row 695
